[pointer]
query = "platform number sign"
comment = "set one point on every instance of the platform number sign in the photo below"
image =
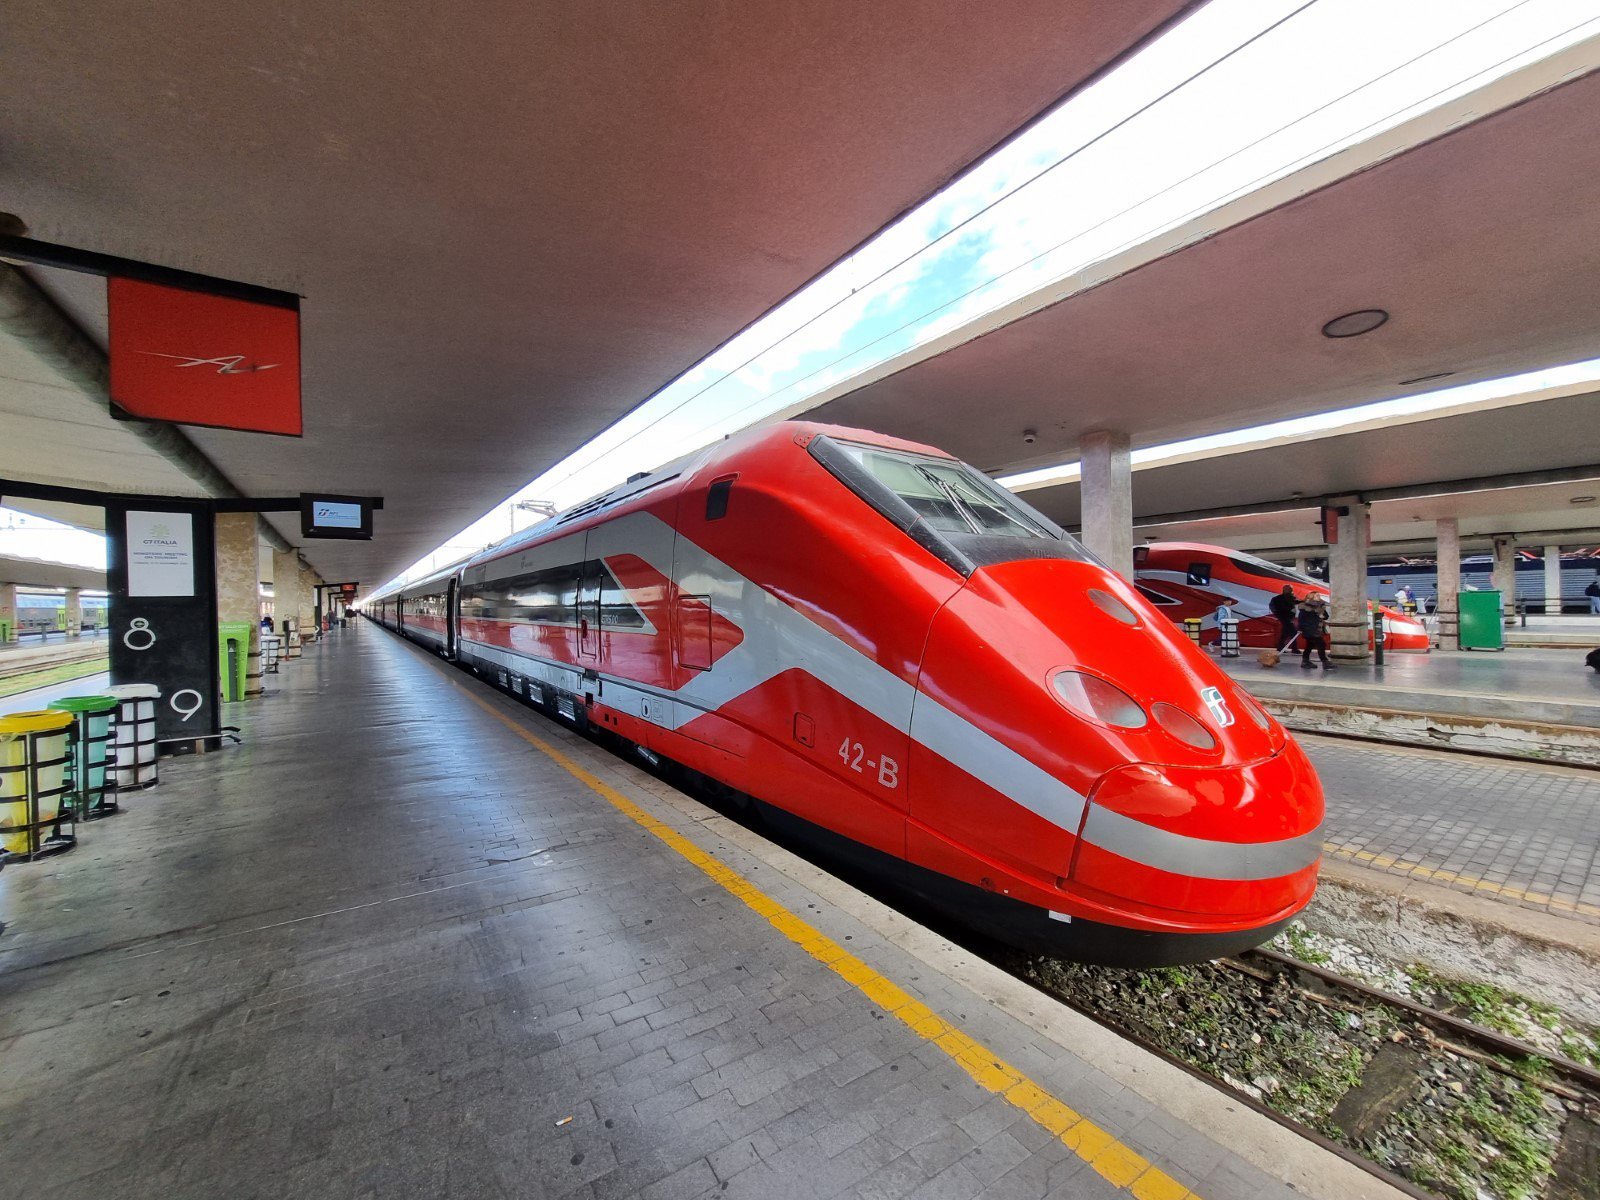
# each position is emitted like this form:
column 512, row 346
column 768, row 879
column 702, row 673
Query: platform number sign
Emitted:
column 161, row 573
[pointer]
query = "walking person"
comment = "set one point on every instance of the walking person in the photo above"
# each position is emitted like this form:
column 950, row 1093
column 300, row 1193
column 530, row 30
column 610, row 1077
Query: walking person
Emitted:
column 1282, row 606
column 1593, row 592
column 1312, row 621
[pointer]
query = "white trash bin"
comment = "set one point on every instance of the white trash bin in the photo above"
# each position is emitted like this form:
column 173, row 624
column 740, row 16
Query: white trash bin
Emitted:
column 137, row 763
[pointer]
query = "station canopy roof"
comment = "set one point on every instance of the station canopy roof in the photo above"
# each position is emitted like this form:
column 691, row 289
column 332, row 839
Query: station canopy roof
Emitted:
column 1545, row 451
column 510, row 223
column 1479, row 240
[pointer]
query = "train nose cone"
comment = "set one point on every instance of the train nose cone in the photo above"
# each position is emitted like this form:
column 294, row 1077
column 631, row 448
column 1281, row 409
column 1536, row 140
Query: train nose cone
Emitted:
column 1241, row 841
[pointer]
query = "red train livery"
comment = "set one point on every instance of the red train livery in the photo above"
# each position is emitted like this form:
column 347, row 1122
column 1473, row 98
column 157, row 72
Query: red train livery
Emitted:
column 897, row 658
column 1190, row 579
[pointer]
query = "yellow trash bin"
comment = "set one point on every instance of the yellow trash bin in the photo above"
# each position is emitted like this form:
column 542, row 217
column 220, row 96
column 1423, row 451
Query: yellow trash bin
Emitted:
column 34, row 753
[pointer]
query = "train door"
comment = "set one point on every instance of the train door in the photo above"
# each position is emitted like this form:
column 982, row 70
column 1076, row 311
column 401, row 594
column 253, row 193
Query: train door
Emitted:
column 452, row 605
column 588, row 609
column 400, row 613
column 702, row 587
column 707, row 619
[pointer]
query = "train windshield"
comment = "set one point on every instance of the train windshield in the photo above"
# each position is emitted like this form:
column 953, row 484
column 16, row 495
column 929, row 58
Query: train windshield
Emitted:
column 953, row 510
column 950, row 496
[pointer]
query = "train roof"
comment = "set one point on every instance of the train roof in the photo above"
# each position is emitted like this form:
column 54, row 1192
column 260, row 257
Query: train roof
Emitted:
column 646, row 481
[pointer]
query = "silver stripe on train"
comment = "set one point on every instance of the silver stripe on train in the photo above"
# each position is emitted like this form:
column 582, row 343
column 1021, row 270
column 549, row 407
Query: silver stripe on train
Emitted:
column 778, row 638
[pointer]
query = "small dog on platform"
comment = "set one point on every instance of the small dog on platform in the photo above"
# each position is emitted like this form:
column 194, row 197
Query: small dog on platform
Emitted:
column 1269, row 658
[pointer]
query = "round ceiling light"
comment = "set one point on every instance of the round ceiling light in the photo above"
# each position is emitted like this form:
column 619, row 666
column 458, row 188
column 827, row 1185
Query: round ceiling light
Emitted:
column 1354, row 324
column 1581, row 500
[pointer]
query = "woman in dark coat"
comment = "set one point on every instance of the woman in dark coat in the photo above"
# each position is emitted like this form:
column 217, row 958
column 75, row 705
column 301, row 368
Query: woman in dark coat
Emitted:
column 1312, row 620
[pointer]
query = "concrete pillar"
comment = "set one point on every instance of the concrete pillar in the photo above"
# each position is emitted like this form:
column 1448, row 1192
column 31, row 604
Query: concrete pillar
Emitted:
column 306, row 602
column 1448, row 611
column 1552, row 581
column 1106, row 489
column 8, row 612
column 1301, row 562
column 286, row 595
column 74, row 605
column 269, row 577
column 238, row 556
column 1347, row 581
column 1504, row 575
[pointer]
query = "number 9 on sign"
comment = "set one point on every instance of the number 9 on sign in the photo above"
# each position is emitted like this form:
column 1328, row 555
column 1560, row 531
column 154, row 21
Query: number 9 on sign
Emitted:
column 186, row 702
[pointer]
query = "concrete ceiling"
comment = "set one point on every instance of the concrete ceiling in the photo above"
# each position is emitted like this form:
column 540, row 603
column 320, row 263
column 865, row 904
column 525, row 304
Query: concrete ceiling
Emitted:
column 1499, row 440
column 510, row 223
column 54, row 434
column 31, row 572
column 1482, row 243
column 1536, row 515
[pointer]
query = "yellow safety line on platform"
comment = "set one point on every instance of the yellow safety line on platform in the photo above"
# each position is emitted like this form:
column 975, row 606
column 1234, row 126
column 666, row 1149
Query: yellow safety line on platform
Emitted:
column 1389, row 862
column 1111, row 1159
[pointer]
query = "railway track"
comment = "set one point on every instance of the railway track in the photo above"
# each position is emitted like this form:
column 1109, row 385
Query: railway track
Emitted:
column 1460, row 1035
column 1426, row 1099
column 42, row 658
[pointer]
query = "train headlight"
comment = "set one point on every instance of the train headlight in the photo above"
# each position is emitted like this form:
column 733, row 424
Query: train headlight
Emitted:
column 1098, row 700
column 1182, row 726
column 1256, row 713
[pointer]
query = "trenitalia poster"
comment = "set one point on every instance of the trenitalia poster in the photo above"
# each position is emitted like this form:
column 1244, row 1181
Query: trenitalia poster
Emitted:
column 202, row 359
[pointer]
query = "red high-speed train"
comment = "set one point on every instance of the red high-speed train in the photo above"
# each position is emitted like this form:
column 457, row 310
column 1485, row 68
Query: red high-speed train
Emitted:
column 1190, row 579
column 894, row 656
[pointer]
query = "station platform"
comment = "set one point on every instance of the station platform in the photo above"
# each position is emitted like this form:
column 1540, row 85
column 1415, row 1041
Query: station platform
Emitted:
column 1520, row 683
column 1569, row 629
column 413, row 939
column 1526, row 834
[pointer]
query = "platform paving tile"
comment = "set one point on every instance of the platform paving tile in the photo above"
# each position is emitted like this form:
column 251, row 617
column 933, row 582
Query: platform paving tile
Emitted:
column 1525, row 834
column 354, row 958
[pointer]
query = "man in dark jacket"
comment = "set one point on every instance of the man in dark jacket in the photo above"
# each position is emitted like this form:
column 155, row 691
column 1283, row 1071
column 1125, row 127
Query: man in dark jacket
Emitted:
column 1313, row 622
column 1283, row 606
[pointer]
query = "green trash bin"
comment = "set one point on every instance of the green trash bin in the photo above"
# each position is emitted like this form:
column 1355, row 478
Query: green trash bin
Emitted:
column 1482, row 624
column 233, row 657
column 92, row 794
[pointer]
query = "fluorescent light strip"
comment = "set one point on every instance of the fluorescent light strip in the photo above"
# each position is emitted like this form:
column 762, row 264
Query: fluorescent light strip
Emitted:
column 1510, row 387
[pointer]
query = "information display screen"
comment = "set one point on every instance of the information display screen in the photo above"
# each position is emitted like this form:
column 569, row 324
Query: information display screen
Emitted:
column 333, row 514
column 335, row 517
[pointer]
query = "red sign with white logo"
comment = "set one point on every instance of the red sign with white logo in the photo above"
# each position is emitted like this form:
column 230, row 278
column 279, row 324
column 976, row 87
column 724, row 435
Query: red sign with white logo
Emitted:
column 201, row 359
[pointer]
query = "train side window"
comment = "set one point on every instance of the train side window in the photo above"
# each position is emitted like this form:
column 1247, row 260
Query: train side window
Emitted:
column 1199, row 574
column 1153, row 596
column 717, row 498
